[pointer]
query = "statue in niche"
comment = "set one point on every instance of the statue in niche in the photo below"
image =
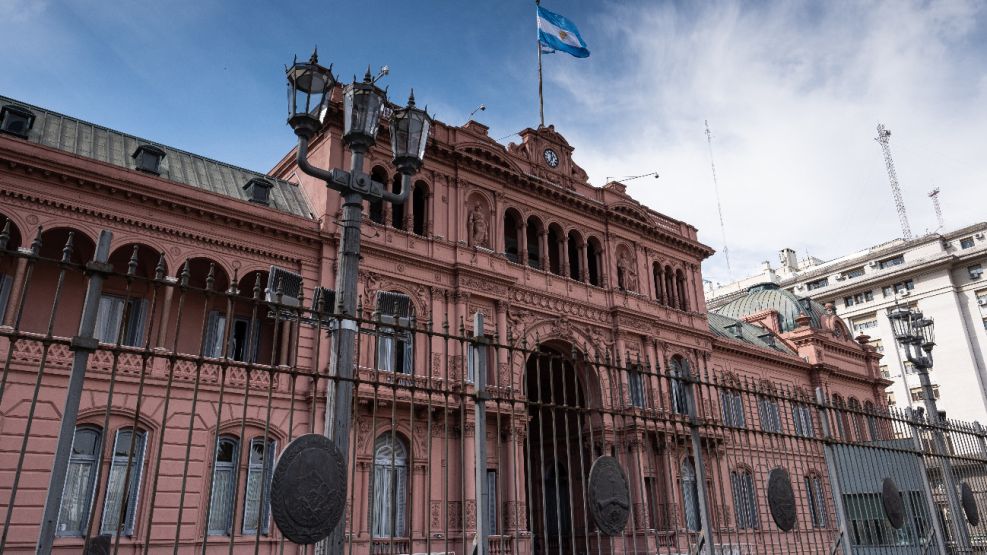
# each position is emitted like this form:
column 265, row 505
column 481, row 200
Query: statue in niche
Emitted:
column 628, row 271
column 476, row 225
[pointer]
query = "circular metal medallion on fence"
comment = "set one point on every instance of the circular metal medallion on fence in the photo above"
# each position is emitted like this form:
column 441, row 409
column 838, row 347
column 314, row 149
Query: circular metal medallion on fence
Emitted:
column 781, row 499
column 969, row 504
column 609, row 496
column 894, row 507
column 308, row 490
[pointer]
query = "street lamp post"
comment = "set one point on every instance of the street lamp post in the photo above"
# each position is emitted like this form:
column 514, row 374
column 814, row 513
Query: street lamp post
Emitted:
column 310, row 88
column 916, row 335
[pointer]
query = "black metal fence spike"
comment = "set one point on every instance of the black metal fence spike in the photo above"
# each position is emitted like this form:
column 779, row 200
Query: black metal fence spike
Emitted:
column 159, row 270
column 5, row 234
column 132, row 264
column 36, row 243
column 211, row 277
column 68, row 248
column 258, row 288
column 186, row 275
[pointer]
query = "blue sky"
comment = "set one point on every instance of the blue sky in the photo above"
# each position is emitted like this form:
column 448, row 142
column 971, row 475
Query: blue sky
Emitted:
column 793, row 92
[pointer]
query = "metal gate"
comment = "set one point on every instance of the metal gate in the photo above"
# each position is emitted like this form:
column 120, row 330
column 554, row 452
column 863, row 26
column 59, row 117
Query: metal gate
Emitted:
column 145, row 409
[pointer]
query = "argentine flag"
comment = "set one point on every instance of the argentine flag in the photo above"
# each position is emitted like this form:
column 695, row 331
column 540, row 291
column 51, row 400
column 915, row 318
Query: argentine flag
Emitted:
column 558, row 33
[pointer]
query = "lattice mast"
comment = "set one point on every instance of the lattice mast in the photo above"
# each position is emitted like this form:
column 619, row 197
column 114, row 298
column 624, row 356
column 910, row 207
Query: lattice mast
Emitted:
column 883, row 137
column 934, row 195
column 719, row 209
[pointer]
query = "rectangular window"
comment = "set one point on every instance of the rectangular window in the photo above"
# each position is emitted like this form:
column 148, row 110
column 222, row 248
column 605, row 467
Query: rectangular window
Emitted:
column 868, row 296
column 887, row 291
column 474, row 362
column 975, row 271
column 733, row 408
column 744, row 500
column 257, row 496
column 885, row 373
column 395, row 342
column 877, row 344
column 636, row 385
column 651, row 493
column 212, row 343
column 966, row 243
column 848, row 301
column 220, row 522
column 802, row 418
column 854, row 273
column 903, row 286
column 770, row 419
column 917, row 395
column 491, row 507
column 114, row 312
column 244, row 340
column 889, row 262
column 816, row 501
column 818, row 284
column 982, row 298
column 77, row 496
column 865, row 324
column 123, row 483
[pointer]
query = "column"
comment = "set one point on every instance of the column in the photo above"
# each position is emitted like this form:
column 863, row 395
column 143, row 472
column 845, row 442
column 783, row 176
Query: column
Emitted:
column 564, row 256
column 284, row 355
column 502, row 338
column 409, row 210
column 584, row 262
column 523, row 242
column 659, row 280
column 16, row 284
column 169, row 291
column 543, row 258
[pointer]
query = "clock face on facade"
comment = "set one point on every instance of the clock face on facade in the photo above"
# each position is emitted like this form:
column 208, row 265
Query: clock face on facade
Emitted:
column 551, row 158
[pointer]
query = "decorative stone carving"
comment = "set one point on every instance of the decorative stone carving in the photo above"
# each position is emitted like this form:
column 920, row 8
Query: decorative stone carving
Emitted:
column 609, row 496
column 894, row 507
column 781, row 499
column 308, row 489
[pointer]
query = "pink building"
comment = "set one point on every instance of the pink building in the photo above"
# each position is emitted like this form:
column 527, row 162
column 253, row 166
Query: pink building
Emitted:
column 594, row 302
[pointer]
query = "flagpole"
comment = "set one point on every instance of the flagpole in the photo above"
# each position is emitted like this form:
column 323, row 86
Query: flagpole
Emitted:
column 541, row 98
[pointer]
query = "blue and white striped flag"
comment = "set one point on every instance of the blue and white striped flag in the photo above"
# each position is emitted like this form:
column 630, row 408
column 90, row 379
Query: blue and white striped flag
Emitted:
column 555, row 32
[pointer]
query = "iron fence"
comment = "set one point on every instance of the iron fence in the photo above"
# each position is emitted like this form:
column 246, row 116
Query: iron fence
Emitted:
column 144, row 410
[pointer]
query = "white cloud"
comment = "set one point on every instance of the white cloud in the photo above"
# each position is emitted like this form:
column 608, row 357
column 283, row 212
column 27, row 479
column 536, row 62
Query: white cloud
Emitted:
column 793, row 94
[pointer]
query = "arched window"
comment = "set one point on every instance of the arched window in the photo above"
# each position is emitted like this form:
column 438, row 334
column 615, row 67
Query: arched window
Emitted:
column 419, row 208
column 744, row 498
column 659, row 286
column 679, row 368
column 379, row 175
column 223, row 486
column 77, row 497
column 556, row 246
column 593, row 261
column 680, row 292
column 575, row 246
column 840, row 417
column 257, row 495
column 802, row 419
column 872, row 426
column 397, row 210
column 690, row 494
column 558, row 512
column 512, row 241
column 670, row 293
column 389, row 499
column 857, row 419
column 123, row 482
column 533, row 231
column 815, row 498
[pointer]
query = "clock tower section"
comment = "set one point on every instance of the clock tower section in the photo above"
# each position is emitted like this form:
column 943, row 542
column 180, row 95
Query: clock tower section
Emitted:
column 549, row 156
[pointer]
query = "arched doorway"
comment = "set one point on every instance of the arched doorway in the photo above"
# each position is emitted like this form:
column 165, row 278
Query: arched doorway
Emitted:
column 558, row 450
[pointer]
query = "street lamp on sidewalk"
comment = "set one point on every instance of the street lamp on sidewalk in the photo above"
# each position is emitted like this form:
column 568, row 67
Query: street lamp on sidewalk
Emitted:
column 310, row 88
column 916, row 335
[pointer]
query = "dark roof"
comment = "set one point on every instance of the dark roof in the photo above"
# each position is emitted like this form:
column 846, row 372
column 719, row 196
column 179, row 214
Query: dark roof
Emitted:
column 114, row 147
column 769, row 296
column 738, row 330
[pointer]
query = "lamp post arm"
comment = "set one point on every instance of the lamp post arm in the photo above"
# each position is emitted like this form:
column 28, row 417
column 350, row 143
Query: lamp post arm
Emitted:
column 306, row 167
column 402, row 196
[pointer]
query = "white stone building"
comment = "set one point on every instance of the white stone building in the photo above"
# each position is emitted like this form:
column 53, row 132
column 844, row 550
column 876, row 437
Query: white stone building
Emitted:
column 941, row 273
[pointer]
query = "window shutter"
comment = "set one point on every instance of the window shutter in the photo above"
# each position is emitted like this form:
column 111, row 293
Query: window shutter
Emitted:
column 492, row 502
column 401, row 492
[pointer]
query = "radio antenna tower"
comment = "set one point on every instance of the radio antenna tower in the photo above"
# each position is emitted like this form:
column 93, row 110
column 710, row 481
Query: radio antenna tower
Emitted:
column 716, row 191
column 934, row 195
column 883, row 137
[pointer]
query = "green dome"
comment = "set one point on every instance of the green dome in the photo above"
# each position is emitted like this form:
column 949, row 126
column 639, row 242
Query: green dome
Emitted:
column 768, row 296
